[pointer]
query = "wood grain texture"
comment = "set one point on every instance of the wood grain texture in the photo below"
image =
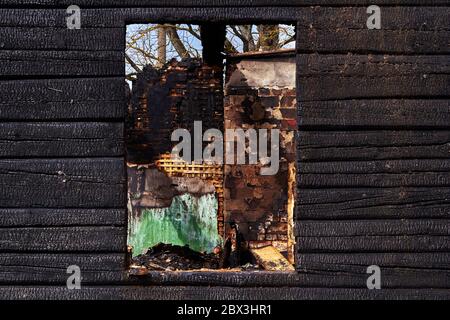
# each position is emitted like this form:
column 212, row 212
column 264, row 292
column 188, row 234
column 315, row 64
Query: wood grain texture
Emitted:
column 375, row 190
column 110, row 272
column 309, row 275
column 376, row 173
column 87, row 39
column 366, row 243
column 412, row 20
column 332, row 261
column 54, row 139
column 66, row 239
column 374, row 145
column 63, row 99
column 330, row 77
column 404, row 30
column 213, row 3
column 399, row 270
column 14, row 63
column 386, row 41
column 412, row 227
column 373, row 236
column 200, row 14
column 396, row 17
column 32, row 217
column 57, row 19
column 51, row 268
column 373, row 203
column 118, row 17
column 63, row 183
column 213, row 293
column 375, row 113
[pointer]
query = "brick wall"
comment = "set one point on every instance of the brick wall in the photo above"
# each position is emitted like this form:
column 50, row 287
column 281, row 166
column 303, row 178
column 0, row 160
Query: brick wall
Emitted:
column 256, row 97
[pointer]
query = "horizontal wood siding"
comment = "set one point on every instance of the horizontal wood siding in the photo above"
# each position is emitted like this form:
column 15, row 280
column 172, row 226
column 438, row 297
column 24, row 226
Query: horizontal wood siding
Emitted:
column 373, row 146
column 62, row 165
column 373, row 150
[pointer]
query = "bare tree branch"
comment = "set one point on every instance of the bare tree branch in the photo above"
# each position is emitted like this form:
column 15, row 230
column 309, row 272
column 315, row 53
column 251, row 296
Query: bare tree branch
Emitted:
column 249, row 41
column 176, row 41
column 286, row 42
column 132, row 64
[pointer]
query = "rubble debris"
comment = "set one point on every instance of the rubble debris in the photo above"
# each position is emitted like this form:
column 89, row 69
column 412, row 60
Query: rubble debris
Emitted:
column 271, row 259
column 167, row 257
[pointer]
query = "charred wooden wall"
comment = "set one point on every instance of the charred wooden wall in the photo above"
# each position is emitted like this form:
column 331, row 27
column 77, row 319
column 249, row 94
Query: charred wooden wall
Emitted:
column 374, row 174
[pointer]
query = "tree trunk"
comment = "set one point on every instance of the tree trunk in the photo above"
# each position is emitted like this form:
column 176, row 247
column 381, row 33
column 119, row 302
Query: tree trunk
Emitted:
column 269, row 37
column 248, row 43
column 162, row 46
column 176, row 41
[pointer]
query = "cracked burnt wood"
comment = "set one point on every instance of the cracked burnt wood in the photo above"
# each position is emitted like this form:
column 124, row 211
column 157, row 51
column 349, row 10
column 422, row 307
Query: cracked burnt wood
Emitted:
column 406, row 90
column 332, row 261
column 51, row 239
column 56, row 20
column 363, row 243
column 402, row 269
column 63, row 183
column 375, row 113
column 38, row 217
column 309, row 275
column 412, row 227
column 92, row 39
column 55, row 139
column 41, row 268
column 375, row 145
column 404, row 30
column 354, row 76
column 312, row 22
column 63, row 99
column 110, row 269
column 213, row 293
column 117, row 17
column 373, row 236
column 213, row 3
column 373, row 203
column 33, row 63
column 375, row 173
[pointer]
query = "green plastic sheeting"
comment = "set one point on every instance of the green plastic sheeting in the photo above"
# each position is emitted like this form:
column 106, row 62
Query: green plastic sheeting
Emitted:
column 189, row 220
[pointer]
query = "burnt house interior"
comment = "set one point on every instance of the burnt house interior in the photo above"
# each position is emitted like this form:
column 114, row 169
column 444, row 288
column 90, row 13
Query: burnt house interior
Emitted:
column 211, row 215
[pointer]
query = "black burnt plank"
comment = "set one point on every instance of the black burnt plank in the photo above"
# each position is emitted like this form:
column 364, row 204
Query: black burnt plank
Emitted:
column 63, row 183
column 367, row 243
column 214, row 3
column 30, row 63
column 403, row 30
column 66, row 239
column 51, row 268
column 87, row 39
column 331, row 76
column 33, row 217
column 373, row 145
column 375, row 113
column 55, row 139
column 380, row 227
column 213, row 293
column 61, row 99
column 375, row 173
column 373, row 203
